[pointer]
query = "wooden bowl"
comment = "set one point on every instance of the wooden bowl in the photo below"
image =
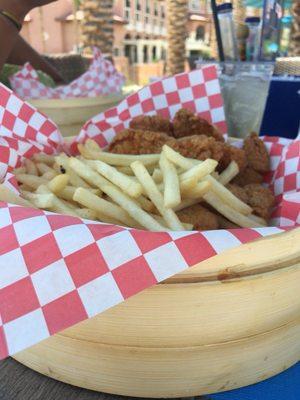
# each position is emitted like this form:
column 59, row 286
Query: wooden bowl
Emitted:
column 230, row 321
column 71, row 114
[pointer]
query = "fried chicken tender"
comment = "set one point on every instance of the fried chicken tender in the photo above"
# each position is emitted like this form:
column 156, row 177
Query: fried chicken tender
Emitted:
column 232, row 153
column 154, row 123
column 200, row 217
column 247, row 177
column 132, row 141
column 238, row 192
column 201, row 147
column 187, row 123
column 261, row 199
column 257, row 154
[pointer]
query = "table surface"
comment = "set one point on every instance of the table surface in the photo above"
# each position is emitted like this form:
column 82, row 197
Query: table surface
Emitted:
column 20, row 383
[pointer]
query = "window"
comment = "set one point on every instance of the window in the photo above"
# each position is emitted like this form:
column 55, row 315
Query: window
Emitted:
column 138, row 5
column 148, row 7
column 127, row 9
column 156, row 8
column 147, row 19
column 116, row 52
column 200, row 33
column 195, row 5
column 162, row 11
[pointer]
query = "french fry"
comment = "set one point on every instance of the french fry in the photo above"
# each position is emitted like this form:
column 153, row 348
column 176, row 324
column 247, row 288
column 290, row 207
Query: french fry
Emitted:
column 197, row 191
column 157, row 175
column 92, row 145
column 74, row 179
column 43, row 168
column 44, row 158
column 133, row 209
column 145, row 203
column 31, row 180
column 124, row 182
column 87, row 173
column 257, row 219
column 121, row 160
column 89, row 200
column 126, row 170
column 199, row 171
column 8, row 196
column 30, row 166
column 155, row 196
column 186, row 203
column 57, row 184
column 230, row 213
column 58, row 205
column 228, row 197
column 172, row 196
column 177, row 158
column 20, row 170
column 68, row 192
column 107, row 220
column 44, row 201
column 57, row 168
column 49, row 175
column 87, row 213
column 25, row 187
column 159, row 218
column 229, row 173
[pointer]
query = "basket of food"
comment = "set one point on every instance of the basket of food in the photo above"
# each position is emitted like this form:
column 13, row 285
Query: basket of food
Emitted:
column 174, row 270
column 70, row 106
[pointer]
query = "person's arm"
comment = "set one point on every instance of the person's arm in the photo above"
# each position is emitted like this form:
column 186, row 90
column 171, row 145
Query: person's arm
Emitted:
column 8, row 31
column 23, row 52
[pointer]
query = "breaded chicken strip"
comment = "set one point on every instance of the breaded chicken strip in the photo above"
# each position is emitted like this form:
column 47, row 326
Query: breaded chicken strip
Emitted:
column 132, row 141
column 200, row 217
column 201, row 147
column 258, row 197
column 232, row 153
column 247, row 177
column 187, row 123
column 261, row 199
column 257, row 154
column 153, row 123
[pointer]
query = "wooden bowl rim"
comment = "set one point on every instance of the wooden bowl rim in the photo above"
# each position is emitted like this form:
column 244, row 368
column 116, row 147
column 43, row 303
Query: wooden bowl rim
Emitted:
column 75, row 102
column 261, row 256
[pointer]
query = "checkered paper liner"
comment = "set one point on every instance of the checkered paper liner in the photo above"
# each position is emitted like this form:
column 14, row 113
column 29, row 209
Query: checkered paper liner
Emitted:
column 58, row 270
column 100, row 79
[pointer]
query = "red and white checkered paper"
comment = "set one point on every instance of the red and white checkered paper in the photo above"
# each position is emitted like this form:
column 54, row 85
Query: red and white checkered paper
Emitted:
column 100, row 79
column 56, row 270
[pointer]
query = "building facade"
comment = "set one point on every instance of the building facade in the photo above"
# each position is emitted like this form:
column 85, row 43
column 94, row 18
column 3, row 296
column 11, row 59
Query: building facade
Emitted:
column 139, row 29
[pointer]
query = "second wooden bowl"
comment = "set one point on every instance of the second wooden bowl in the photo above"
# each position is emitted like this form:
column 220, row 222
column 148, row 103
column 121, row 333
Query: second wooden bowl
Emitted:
column 230, row 321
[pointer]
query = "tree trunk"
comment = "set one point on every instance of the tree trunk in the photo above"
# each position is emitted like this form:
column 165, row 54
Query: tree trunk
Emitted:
column 97, row 25
column 177, row 15
column 295, row 37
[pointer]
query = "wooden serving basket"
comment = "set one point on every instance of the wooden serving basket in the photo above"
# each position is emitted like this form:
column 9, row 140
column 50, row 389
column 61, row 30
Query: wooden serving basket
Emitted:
column 230, row 321
column 71, row 114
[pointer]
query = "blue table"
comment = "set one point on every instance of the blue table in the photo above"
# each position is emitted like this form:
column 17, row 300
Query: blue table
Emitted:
column 285, row 386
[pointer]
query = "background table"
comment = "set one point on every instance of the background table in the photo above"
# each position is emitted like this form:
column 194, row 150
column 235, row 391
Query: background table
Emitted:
column 20, row 383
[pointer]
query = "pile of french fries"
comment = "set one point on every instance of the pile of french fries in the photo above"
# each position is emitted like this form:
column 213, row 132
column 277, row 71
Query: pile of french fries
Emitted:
column 138, row 191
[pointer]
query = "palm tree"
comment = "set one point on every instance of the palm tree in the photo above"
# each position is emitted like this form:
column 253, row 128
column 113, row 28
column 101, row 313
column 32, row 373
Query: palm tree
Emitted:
column 295, row 39
column 177, row 19
column 97, row 25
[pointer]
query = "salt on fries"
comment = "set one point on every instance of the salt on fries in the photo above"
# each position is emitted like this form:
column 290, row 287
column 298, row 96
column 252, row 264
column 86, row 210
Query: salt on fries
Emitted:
column 138, row 191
